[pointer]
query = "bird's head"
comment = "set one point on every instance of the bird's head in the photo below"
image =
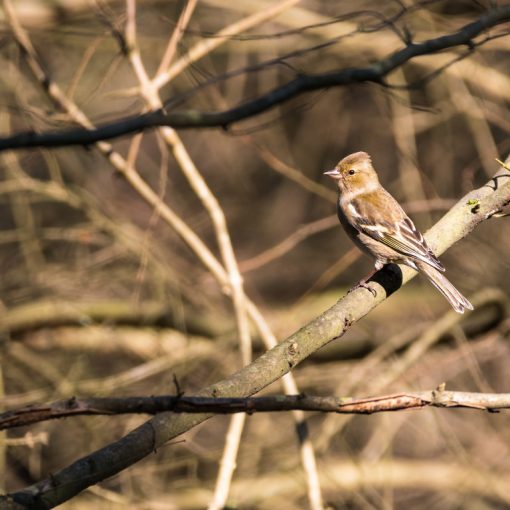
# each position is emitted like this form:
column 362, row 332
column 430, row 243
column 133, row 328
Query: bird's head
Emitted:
column 354, row 172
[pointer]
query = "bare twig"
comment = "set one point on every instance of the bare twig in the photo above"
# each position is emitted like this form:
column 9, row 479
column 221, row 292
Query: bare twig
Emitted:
column 176, row 36
column 293, row 174
column 29, row 440
column 314, row 227
column 405, row 141
column 476, row 120
column 288, row 243
column 228, row 462
column 205, row 46
column 189, row 404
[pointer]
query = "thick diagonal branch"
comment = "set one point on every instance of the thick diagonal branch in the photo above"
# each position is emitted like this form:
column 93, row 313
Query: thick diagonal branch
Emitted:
column 469, row 212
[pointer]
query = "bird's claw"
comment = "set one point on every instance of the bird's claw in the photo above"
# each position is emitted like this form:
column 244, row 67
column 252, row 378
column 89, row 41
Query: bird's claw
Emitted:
column 364, row 285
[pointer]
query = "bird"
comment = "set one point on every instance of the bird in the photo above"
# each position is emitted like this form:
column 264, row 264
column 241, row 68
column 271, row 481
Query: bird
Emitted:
column 379, row 227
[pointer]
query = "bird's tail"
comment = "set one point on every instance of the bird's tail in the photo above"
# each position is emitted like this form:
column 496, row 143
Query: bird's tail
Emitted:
column 455, row 298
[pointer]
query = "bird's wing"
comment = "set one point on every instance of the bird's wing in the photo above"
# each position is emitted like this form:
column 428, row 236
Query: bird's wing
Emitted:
column 379, row 216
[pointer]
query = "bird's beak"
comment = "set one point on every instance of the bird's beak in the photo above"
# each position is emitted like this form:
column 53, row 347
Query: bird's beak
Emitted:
column 334, row 174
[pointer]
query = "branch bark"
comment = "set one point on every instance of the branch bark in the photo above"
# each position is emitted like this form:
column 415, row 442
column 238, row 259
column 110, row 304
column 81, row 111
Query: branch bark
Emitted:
column 277, row 403
column 476, row 207
column 303, row 83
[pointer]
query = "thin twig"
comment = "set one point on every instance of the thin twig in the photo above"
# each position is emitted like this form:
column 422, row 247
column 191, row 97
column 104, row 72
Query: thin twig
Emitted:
column 314, row 227
column 277, row 403
column 405, row 141
column 176, row 36
column 293, row 174
column 205, row 46
column 476, row 120
column 288, row 243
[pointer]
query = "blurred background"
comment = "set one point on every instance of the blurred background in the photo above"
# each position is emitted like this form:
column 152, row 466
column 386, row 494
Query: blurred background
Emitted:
column 100, row 295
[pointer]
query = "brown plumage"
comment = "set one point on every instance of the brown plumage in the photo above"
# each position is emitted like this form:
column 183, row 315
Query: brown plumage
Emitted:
column 379, row 226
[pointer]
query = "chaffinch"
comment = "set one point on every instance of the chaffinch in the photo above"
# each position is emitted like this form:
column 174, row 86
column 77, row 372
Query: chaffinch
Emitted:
column 377, row 224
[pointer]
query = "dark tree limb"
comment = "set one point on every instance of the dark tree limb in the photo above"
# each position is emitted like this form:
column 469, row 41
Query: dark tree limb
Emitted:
column 476, row 207
column 183, row 404
column 374, row 73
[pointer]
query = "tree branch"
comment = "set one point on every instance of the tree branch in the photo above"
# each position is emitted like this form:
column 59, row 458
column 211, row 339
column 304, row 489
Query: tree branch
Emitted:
column 470, row 211
column 303, row 83
column 277, row 403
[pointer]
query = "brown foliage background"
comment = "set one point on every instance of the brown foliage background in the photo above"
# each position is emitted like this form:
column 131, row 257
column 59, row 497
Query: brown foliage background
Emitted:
column 99, row 296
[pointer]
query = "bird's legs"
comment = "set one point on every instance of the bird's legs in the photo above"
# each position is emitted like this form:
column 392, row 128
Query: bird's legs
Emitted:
column 363, row 283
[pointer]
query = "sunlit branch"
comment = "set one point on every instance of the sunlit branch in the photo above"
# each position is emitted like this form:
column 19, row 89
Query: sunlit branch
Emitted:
column 278, row 403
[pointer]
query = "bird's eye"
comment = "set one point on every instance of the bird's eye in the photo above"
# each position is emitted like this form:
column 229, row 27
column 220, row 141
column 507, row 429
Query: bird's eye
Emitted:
column 351, row 172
